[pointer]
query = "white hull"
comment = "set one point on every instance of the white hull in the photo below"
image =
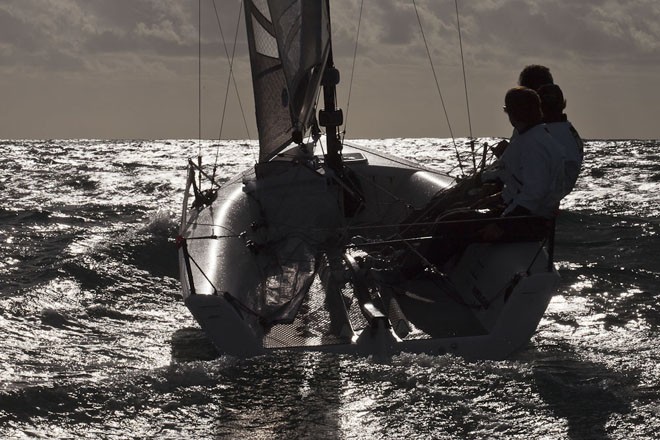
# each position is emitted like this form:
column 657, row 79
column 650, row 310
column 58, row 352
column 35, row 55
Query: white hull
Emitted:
column 486, row 304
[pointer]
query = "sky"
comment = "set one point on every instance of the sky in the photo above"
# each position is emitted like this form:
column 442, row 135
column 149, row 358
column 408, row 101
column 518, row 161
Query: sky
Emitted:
column 128, row 69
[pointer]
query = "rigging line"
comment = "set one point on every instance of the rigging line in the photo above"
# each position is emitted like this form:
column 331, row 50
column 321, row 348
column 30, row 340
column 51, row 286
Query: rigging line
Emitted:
column 233, row 55
column 212, row 237
column 215, row 289
column 529, row 268
column 437, row 85
column 350, row 84
column 216, row 225
column 199, row 77
column 467, row 101
column 198, row 167
column 199, row 89
column 231, row 78
column 231, row 58
column 224, row 107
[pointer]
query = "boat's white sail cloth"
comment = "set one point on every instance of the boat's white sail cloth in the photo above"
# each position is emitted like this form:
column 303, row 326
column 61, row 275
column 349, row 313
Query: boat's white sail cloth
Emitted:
column 289, row 43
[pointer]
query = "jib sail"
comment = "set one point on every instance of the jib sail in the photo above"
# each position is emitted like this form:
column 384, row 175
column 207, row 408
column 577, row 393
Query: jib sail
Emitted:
column 289, row 41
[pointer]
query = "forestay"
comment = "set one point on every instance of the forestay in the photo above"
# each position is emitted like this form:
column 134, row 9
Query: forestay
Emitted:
column 289, row 43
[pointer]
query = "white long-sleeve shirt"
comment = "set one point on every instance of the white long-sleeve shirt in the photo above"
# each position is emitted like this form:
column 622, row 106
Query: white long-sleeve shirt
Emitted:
column 532, row 170
column 568, row 137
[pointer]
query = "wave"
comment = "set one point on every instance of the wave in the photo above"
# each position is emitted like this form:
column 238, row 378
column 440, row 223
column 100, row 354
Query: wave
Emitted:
column 192, row 344
column 45, row 245
column 102, row 311
column 17, row 217
column 82, row 182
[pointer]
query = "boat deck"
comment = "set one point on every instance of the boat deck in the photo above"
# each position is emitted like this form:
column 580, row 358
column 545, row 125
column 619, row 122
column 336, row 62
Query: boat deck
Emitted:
column 425, row 308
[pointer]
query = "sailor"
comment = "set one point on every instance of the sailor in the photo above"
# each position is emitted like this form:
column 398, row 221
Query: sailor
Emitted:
column 532, row 166
column 553, row 105
column 534, row 76
column 531, row 171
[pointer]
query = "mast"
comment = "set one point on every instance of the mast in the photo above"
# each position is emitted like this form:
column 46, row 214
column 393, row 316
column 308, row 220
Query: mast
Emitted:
column 331, row 117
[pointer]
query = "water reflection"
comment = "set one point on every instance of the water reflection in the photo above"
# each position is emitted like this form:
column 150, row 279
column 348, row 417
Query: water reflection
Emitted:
column 273, row 397
column 89, row 300
column 586, row 394
column 616, row 271
column 279, row 395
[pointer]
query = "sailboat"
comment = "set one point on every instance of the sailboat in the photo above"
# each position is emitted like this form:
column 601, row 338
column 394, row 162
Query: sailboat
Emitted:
column 328, row 246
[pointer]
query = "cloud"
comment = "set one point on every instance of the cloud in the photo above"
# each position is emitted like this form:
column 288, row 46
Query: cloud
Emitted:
column 14, row 34
column 499, row 33
column 592, row 32
column 66, row 34
column 589, row 45
column 61, row 36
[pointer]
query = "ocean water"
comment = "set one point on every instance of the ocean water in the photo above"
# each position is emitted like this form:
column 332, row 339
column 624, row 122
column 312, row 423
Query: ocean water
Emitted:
column 95, row 341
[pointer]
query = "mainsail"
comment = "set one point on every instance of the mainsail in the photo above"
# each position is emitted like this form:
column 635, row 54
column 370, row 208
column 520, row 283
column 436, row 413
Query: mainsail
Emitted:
column 289, row 43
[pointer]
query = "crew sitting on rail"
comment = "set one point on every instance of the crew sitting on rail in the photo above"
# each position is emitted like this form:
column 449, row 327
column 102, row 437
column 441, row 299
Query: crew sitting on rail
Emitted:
column 553, row 105
column 532, row 166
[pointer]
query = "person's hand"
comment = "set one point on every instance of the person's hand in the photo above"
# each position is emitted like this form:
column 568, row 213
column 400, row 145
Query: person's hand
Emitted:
column 498, row 150
column 491, row 201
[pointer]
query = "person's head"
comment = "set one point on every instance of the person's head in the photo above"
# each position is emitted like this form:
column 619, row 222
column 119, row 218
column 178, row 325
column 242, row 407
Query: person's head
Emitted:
column 552, row 102
column 523, row 106
column 534, row 76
